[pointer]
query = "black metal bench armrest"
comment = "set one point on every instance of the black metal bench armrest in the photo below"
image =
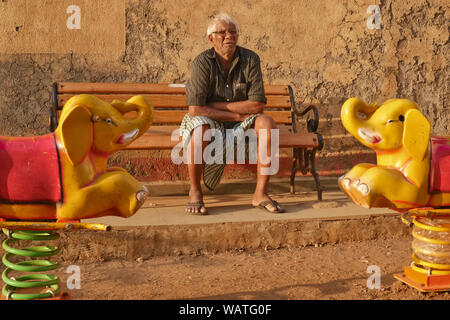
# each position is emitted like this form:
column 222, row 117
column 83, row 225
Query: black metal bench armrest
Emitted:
column 312, row 124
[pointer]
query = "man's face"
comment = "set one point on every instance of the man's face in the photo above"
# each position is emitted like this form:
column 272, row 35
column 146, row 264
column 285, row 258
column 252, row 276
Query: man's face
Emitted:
column 224, row 39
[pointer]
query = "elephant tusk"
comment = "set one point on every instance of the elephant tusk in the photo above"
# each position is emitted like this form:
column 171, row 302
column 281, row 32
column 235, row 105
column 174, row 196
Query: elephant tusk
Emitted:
column 369, row 137
column 127, row 137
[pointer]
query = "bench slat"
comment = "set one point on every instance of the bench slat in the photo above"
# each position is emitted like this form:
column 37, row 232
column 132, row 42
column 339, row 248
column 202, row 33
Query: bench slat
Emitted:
column 169, row 129
column 167, row 117
column 175, row 116
column 104, row 87
column 143, row 88
column 160, row 138
column 172, row 101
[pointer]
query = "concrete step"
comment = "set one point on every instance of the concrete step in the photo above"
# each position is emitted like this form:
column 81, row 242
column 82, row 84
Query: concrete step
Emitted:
column 162, row 227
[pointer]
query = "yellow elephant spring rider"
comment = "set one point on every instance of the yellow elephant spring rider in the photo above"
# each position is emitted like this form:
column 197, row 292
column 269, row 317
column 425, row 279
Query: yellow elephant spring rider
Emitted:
column 53, row 181
column 412, row 176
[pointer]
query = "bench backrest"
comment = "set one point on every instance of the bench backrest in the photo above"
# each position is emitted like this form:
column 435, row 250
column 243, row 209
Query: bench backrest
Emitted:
column 169, row 100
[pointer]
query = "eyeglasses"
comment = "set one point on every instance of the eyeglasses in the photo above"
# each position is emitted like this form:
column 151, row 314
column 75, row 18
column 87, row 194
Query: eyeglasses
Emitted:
column 222, row 33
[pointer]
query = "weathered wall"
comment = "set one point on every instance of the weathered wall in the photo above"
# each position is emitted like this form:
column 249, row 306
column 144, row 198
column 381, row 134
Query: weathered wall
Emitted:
column 324, row 49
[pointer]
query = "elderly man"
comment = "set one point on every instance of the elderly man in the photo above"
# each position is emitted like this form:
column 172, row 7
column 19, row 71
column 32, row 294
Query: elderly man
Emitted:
column 225, row 90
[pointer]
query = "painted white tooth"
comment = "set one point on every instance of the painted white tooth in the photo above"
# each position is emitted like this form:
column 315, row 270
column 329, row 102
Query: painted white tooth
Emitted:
column 346, row 182
column 363, row 188
column 141, row 196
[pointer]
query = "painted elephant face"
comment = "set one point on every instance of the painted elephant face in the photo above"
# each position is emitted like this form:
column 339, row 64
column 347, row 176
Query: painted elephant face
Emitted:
column 394, row 124
column 88, row 123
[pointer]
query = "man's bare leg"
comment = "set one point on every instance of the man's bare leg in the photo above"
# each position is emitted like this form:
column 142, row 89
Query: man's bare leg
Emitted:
column 263, row 122
column 195, row 169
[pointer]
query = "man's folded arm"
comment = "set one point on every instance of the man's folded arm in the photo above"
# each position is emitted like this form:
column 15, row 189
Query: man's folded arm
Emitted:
column 215, row 114
column 240, row 107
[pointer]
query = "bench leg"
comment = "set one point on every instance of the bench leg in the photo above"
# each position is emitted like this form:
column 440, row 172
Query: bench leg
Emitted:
column 314, row 173
column 293, row 171
column 294, row 168
column 298, row 164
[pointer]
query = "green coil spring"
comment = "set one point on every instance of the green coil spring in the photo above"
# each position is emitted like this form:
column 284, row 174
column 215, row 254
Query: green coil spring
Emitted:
column 35, row 281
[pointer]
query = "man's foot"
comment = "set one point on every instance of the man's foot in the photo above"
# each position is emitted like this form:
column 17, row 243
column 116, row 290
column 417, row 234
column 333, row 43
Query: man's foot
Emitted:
column 196, row 207
column 268, row 205
column 195, row 204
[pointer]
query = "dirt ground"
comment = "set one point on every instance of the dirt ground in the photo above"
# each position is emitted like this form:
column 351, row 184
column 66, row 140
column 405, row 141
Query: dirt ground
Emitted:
column 327, row 272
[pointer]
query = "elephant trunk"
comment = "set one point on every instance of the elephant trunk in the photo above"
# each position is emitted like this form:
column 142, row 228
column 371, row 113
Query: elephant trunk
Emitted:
column 144, row 113
column 354, row 114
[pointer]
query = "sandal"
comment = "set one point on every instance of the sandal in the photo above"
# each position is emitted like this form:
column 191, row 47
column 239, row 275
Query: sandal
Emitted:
column 198, row 205
column 263, row 205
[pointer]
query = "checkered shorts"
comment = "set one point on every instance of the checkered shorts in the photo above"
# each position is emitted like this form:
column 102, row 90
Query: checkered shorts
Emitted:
column 212, row 172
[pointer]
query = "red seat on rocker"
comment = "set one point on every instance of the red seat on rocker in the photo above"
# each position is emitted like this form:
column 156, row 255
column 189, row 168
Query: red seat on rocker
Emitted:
column 440, row 164
column 29, row 170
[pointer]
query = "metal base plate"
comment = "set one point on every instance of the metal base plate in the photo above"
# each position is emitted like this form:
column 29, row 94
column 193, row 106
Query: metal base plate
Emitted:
column 421, row 286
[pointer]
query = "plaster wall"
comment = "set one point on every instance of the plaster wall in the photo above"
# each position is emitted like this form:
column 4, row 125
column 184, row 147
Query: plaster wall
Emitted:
column 324, row 49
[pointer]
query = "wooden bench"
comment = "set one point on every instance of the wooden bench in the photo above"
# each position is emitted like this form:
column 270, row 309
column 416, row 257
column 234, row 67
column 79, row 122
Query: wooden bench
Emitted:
column 169, row 101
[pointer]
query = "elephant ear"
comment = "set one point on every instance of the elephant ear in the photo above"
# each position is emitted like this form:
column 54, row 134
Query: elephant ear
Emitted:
column 77, row 134
column 416, row 133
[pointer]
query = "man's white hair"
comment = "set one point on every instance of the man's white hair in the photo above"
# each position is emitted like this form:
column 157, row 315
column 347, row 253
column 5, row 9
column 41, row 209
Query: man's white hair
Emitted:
column 219, row 18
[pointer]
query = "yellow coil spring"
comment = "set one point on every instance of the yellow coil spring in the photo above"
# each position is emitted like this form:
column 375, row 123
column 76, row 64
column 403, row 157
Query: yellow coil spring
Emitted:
column 19, row 287
column 431, row 245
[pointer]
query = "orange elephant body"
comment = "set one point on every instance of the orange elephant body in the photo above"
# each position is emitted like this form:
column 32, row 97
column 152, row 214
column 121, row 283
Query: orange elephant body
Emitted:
column 412, row 168
column 64, row 176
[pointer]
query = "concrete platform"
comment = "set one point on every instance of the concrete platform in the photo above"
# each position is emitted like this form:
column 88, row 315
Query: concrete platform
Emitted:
column 162, row 227
column 169, row 210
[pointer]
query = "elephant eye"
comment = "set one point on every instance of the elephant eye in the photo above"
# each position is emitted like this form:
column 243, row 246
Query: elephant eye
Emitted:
column 109, row 121
column 401, row 118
